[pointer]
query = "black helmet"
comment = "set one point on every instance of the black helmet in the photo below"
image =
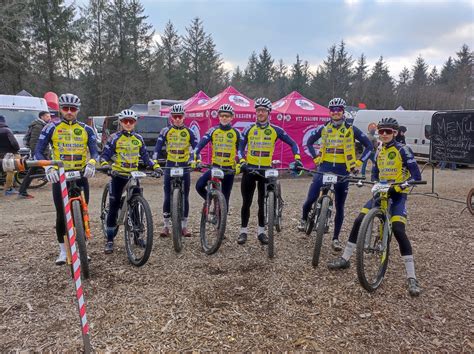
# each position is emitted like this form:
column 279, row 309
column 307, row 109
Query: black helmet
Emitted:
column 388, row 123
column 403, row 129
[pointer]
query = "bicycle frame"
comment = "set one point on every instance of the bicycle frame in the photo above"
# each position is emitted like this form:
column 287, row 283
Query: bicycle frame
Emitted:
column 77, row 193
column 131, row 189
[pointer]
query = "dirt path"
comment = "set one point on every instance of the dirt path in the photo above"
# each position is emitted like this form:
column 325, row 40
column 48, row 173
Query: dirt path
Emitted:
column 238, row 299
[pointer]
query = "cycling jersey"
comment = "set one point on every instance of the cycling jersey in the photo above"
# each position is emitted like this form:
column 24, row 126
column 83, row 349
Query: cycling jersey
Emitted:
column 127, row 147
column 395, row 163
column 260, row 141
column 70, row 141
column 225, row 142
column 338, row 144
column 178, row 140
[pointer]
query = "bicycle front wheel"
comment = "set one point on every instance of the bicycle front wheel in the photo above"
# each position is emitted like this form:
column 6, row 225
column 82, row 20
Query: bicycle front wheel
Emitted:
column 271, row 211
column 138, row 231
column 278, row 208
column 372, row 256
column 213, row 222
column 321, row 223
column 80, row 237
column 309, row 224
column 176, row 217
column 104, row 209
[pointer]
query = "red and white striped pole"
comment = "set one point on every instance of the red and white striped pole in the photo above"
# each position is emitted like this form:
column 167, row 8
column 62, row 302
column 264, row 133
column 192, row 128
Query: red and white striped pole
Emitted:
column 76, row 263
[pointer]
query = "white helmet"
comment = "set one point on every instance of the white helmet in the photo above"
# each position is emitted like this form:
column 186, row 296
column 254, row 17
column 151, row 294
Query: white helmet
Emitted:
column 263, row 102
column 69, row 99
column 127, row 113
column 226, row 108
column 337, row 102
column 177, row 109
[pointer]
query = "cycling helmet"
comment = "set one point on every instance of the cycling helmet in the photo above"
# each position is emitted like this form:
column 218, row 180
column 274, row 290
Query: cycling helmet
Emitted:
column 69, row 99
column 402, row 129
column 127, row 113
column 226, row 108
column 177, row 109
column 337, row 102
column 263, row 102
column 388, row 123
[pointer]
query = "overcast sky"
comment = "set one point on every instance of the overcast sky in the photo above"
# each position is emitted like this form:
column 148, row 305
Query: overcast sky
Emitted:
column 399, row 30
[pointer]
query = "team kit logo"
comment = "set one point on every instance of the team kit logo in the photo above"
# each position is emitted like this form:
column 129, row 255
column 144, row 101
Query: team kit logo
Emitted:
column 279, row 104
column 230, row 135
column 183, row 134
column 77, row 131
column 267, row 131
column 134, row 142
column 304, row 104
column 391, row 155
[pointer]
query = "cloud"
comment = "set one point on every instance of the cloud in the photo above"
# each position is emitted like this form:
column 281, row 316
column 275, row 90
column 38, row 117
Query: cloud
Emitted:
column 363, row 40
column 229, row 66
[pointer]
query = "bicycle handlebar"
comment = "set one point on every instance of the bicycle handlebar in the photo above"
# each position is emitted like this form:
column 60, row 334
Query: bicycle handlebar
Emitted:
column 350, row 178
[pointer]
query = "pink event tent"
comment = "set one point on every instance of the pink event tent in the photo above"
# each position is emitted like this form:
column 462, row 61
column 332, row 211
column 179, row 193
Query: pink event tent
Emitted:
column 298, row 116
column 198, row 98
column 204, row 116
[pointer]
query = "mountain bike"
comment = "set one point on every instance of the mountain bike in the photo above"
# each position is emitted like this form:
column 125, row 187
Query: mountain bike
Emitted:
column 37, row 176
column 375, row 234
column 177, row 204
column 214, row 211
column 273, row 203
column 322, row 209
column 80, row 220
column 135, row 214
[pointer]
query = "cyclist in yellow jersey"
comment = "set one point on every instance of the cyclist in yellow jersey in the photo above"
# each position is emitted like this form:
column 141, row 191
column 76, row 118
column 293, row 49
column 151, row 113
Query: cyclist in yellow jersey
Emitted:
column 70, row 141
column 127, row 147
column 337, row 155
column 260, row 139
column 178, row 140
column 225, row 142
column 394, row 163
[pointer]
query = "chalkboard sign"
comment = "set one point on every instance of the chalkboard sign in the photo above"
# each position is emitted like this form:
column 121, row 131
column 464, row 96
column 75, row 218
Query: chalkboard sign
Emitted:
column 452, row 137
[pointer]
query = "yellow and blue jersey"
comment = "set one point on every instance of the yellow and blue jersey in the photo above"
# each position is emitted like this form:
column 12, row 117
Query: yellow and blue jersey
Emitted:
column 128, row 148
column 178, row 141
column 225, row 142
column 260, row 141
column 69, row 142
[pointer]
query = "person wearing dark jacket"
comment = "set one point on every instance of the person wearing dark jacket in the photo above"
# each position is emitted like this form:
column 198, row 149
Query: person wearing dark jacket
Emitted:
column 30, row 140
column 8, row 144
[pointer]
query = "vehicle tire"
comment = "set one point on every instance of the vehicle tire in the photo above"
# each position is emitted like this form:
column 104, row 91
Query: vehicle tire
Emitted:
column 36, row 182
column 372, row 260
column 80, row 237
column 470, row 201
column 279, row 208
column 321, row 223
column 104, row 209
column 176, row 217
column 213, row 222
column 271, row 222
column 138, row 231
column 309, row 224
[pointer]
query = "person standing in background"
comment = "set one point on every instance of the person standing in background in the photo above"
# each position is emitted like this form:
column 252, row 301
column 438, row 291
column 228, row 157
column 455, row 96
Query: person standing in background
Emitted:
column 8, row 145
column 30, row 140
column 372, row 128
column 400, row 137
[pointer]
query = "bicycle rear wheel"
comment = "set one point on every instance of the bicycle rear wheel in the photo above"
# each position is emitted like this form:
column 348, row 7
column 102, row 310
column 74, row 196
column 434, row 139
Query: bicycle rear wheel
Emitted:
column 176, row 217
column 321, row 223
column 372, row 258
column 138, row 231
column 213, row 222
column 271, row 211
column 36, row 182
column 104, row 209
column 470, row 201
column 80, row 237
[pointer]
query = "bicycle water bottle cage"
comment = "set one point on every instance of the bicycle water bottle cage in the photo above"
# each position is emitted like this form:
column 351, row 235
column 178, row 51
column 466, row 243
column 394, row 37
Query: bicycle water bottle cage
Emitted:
column 271, row 173
column 177, row 172
column 217, row 173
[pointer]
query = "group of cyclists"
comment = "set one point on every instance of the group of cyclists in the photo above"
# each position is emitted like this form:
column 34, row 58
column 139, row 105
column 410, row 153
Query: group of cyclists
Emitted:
column 74, row 143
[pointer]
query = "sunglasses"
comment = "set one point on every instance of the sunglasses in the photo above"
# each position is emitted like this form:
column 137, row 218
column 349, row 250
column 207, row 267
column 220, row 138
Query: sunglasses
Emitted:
column 177, row 116
column 128, row 121
column 225, row 115
column 70, row 109
column 385, row 131
column 336, row 109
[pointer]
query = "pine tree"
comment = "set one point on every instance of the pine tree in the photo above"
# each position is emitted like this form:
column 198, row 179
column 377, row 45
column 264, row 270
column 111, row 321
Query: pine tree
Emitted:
column 359, row 82
column 170, row 50
column 281, row 80
column 463, row 71
column 264, row 71
column 419, row 83
column 300, row 75
column 380, row 90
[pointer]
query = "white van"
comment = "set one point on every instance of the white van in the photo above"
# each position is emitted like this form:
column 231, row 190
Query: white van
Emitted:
column 20, row 111
column 155, row 106
column 418, row 124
